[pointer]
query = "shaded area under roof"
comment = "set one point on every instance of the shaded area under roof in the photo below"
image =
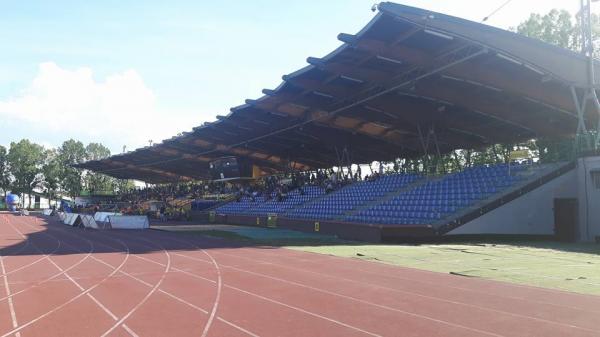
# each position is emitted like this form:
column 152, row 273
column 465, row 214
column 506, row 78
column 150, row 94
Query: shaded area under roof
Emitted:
column 410, row 82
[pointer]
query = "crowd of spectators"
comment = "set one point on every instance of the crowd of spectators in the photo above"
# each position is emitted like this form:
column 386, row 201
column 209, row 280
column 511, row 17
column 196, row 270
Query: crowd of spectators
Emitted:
column 167, row 201
column 278, row 186
column 189, row 190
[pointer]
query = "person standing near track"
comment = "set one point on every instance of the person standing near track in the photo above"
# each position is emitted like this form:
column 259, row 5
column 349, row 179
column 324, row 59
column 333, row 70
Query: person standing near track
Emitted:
column 162, row 210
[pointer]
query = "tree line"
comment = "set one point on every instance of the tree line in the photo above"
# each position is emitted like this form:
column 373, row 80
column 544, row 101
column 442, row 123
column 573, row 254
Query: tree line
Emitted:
column 27, row 167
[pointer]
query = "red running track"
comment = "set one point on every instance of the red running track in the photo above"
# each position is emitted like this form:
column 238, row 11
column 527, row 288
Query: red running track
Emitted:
column 61, row 281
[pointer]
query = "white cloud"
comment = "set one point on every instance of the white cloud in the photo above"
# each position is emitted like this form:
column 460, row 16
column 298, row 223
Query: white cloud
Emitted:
column 120, row 107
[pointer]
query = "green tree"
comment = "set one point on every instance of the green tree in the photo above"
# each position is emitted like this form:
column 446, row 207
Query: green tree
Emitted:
column 52, row 174
column 559, row 28
column 98, row 182
column 25, row 160
column 71, row 179
column 4, row 172
column 556, row 28
column 124, row 185
column 96, row 151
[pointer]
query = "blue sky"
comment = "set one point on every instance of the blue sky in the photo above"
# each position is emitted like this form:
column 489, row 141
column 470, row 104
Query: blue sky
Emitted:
column 125, row 72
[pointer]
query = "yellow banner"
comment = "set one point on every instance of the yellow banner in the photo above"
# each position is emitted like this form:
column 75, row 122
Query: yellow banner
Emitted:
column 520, row 154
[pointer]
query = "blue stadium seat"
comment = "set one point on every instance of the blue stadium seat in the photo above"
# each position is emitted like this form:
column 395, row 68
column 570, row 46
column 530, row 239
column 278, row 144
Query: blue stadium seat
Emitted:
column 434, row 200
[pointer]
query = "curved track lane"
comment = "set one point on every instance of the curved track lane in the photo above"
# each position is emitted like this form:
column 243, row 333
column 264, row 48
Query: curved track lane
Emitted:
column 150, row 283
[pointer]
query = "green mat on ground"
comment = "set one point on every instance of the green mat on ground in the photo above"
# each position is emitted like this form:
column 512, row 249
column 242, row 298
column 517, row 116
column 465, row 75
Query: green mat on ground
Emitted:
column 259, row 235
column 571, row 267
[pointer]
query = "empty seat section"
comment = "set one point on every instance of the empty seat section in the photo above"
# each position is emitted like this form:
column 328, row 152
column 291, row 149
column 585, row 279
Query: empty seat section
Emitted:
column 432, row 201
column 262, row 207
column 293, row 199
column 200, row 205
column 350, row 197
column 240, row 207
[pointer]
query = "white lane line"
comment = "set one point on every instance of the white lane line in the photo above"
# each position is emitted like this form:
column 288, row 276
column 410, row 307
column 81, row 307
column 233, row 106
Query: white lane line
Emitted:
column 281, row 303
column 55, row 309
column 54, row 277
column 424, row 280
column 129, row 331
column 185, row 271
column 179, row 299
column 84, row 278
column 220, row 319
column 28, row 242
column 11, row 305
column 82, row 289
column 391, row 290
column 328, row 292
column 131, row 275
column 345, row 297
column 106, row 310
column 102, row 306
column 305, row 311
column 152, row 291
column 65, row 303
column 217, row 298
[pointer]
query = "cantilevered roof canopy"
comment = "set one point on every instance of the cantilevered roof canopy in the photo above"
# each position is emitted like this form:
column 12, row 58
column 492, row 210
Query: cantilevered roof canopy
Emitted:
column 410, row 82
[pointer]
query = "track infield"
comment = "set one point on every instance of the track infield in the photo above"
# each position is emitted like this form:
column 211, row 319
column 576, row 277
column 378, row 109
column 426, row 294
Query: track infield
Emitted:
column 62, row 281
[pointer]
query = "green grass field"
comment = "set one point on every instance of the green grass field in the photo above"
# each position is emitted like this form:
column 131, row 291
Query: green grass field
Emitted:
column 570, row 267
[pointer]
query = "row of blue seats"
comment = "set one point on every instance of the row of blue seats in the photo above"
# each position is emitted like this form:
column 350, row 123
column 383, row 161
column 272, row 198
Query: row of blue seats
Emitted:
column 353, row 196
column 274, row 206
column 426, row 203
column 199, row 205
column 387, row 220
column 313, row 216
column 417, row 202
column 431, row 197
column 414, row 208
column 405, row 215
column 436, row 199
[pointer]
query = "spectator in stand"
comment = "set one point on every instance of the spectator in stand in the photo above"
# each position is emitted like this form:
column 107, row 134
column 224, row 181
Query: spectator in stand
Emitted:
column 328, row 187
column 279, row 195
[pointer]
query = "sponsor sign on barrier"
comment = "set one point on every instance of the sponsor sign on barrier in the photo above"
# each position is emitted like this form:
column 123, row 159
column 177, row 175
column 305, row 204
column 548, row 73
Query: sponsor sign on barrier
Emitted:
column 103, row 216
column 46, row 212
column 272, row 220
column 67, row 218
column 71, row 219
column 128, row 221
column 88, row 221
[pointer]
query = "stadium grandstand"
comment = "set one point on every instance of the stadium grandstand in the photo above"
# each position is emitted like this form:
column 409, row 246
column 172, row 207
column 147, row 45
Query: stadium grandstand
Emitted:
column 411, row 83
